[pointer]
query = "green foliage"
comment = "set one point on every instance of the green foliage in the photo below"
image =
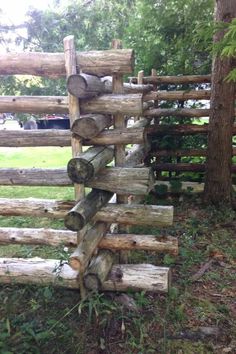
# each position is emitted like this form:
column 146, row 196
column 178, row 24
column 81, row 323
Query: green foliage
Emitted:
column 162, row 33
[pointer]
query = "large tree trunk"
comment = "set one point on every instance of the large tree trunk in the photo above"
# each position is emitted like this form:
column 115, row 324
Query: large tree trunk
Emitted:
column 218, row 186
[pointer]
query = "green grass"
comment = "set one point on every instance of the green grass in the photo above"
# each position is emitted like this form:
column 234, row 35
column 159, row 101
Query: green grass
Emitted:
column 34, row 157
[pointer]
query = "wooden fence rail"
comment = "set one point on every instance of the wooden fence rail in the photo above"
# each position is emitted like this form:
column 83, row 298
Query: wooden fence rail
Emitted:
column 53, row 64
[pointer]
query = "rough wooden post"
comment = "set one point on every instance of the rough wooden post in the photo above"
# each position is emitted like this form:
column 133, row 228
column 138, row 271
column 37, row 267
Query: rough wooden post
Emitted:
column 156, row 121
column 119, row 122
column 139, row 82
column 74, row 113
column 74, row 109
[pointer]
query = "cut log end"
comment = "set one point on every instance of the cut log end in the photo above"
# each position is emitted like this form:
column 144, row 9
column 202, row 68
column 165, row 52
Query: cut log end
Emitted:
column 92, row 282
column 80, row 170
column 74, row 263
column 74, row 221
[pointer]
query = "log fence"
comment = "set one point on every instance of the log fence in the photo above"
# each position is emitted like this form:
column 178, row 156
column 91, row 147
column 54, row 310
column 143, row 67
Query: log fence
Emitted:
column 170, row 160
column 98, row 119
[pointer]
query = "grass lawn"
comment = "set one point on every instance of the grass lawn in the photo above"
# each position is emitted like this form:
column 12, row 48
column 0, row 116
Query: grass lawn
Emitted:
column 196, row 317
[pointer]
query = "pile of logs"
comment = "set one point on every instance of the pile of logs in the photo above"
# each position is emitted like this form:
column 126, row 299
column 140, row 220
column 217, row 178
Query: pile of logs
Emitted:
column 98, row 106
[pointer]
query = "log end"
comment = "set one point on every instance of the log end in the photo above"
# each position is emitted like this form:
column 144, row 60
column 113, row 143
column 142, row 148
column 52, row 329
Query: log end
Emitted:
column 74, row 221
column 80, row 170
column 85, row 127
column 74, row 263
column 92, row 282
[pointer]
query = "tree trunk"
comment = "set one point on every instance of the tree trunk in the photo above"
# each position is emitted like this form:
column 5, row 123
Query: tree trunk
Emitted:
column 218, row 186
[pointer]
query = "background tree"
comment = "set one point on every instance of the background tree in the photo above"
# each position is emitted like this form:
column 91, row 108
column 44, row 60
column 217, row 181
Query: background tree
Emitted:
column 218, row 179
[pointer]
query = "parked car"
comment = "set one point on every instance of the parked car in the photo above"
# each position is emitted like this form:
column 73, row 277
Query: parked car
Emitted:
column 53, row 122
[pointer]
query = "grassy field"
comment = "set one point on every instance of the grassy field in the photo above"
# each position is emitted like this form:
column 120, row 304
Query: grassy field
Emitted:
column 197, row 316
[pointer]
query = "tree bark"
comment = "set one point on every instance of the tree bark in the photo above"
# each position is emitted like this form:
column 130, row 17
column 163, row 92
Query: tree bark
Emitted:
column 218, row 185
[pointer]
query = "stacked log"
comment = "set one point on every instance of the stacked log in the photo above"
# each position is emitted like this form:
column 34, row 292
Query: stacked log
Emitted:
column 88, row 218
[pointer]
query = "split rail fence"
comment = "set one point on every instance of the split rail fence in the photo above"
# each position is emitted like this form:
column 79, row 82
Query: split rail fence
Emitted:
column 180, row 90
column 98, row 107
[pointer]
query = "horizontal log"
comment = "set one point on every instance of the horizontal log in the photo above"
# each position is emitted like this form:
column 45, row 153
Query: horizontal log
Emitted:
column 128, row 87
column 34, row 177
column 28, row 138
column 135, row 181
column 85, row 209
column 52, row 65
column 132, row 214
column 180, row 129
column 130, row 104
column 137, row 277
column 90, row 125
column 34, row 104
column 182, row 152
column 176, row 80
column 160, row 244
column 84, row 86
column 191, row 167
column 122, row 180
column 123, row 277
column 178, row 95
column 118, row 136
column 177, row 129
column 81, row 256
column 193, row 187
column 98, row 270
column 56, row 238
column 178, row 112
column 178, row 152
column 86, row 165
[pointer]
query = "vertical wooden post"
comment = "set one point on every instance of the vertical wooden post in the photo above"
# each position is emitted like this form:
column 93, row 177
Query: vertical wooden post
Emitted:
column 74, row 113
column 156, row 120
column 139, row 82
column 74, row 110
column 119, row 122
